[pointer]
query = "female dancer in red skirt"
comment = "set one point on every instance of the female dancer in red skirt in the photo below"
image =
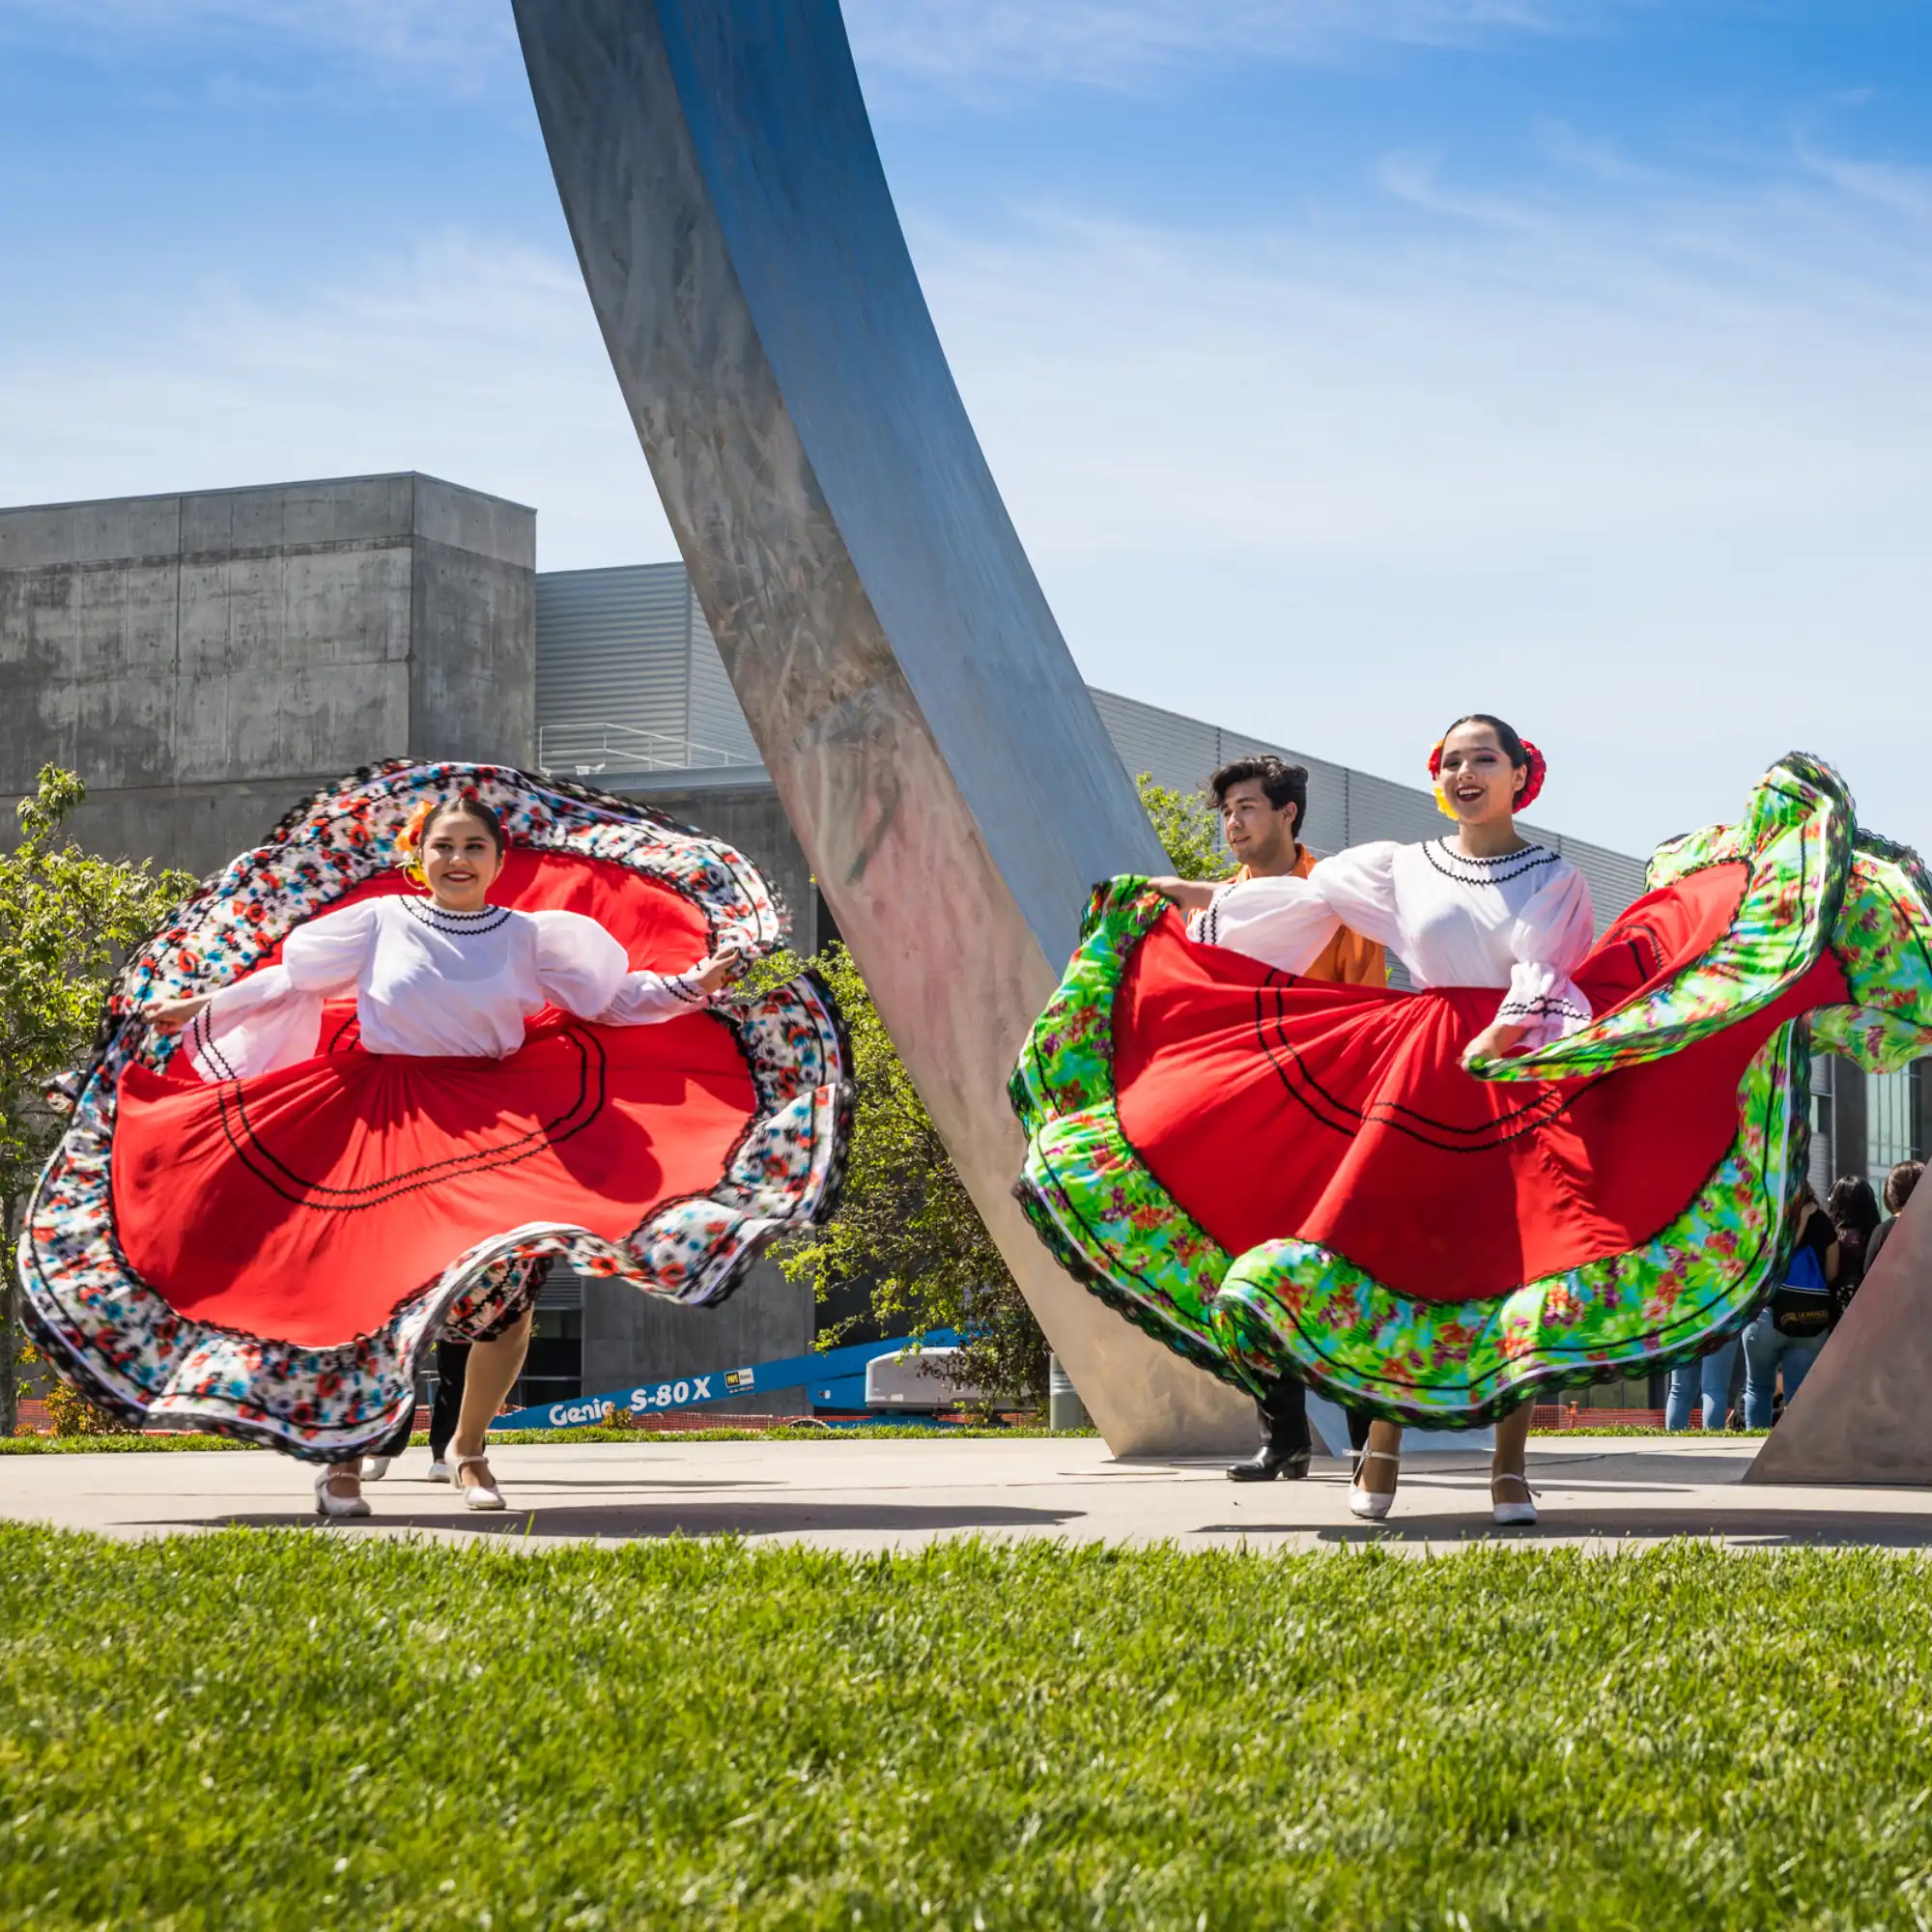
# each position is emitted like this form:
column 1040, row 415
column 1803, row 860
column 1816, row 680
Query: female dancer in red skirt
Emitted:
column 1559, row 1162
column 377, row 1074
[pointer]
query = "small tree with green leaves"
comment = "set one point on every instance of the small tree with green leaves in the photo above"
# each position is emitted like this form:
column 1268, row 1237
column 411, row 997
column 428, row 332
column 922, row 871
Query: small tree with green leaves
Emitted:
column 67, row 916
column 1188, row 830
column 906, row 1233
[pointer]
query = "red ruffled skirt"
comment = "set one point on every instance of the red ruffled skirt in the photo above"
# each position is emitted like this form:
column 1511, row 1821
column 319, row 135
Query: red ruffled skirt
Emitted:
column 1274, row 1174
column 270, row 1255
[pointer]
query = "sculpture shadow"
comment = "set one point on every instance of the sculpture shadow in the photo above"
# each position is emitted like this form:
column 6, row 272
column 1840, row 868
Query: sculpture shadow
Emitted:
column 644, row 1521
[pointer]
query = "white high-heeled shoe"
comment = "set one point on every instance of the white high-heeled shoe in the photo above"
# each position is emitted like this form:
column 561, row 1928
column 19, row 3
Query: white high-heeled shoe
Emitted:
column 475, row 1495
column 329, row 1503
column 1508, row 1514
column 1371, row 1505
column 376, row 1467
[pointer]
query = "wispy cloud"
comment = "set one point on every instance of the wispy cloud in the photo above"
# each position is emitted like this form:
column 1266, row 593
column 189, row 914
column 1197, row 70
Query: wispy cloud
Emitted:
column 459, row 42
column 1887, row 184
column 969, row 45
column 1418, row 180
column 471, row 358
column 1654, row 476
column 961, row 45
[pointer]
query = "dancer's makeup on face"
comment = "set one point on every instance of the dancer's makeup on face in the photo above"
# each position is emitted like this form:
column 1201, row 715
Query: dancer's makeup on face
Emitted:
column 460, row 861
column 1477, row 779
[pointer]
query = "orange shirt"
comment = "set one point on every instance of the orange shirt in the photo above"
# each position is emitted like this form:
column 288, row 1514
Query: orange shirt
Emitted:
column 1349, row 957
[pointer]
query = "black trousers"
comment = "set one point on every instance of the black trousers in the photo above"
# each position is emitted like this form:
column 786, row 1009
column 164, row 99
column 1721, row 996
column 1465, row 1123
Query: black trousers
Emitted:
column 452, row 1365
column 1283, row 1413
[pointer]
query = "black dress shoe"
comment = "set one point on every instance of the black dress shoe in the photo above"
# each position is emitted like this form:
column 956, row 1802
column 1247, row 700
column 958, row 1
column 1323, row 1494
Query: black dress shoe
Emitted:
column 1270, row 1462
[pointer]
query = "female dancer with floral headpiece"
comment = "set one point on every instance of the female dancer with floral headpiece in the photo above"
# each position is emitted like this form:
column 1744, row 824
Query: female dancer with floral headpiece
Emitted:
column 1557, row 1162
column 345, row 1101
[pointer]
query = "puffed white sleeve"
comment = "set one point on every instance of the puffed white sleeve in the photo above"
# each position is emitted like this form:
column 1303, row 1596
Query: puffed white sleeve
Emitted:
column 274, row 1018
column 1551, row 936
column 584, row 970
column 647, row 998
column 580, row 965
column 1286, row 923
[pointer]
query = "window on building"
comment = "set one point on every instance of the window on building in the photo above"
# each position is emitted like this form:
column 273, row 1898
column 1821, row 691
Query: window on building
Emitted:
column 1894, row 1119
column 553, row 1369
column 1824, row 1161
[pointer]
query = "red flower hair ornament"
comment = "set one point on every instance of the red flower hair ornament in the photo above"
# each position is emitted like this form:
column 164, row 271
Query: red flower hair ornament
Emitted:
column 1532, row 785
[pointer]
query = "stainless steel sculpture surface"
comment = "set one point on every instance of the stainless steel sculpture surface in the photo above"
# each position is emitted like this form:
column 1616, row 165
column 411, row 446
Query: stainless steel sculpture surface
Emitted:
column 933, row 745
column 1865, row 1412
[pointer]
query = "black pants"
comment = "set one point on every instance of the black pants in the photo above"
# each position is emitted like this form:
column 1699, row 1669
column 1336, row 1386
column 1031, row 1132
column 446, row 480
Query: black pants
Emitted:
column 1283, row 1412
column 452, row 1364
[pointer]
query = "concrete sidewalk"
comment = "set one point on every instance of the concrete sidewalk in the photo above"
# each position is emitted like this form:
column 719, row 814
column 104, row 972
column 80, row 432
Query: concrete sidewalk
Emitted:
column 1599, row 1493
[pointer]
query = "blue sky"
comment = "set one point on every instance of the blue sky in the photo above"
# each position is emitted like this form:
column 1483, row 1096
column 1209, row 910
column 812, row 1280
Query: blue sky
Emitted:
column 1346, row 363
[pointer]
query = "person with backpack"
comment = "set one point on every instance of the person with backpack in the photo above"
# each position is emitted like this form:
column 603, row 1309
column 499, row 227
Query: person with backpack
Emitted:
column 1791, row 1328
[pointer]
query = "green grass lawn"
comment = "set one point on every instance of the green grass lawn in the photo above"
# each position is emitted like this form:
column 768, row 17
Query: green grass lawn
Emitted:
column 291, row 1729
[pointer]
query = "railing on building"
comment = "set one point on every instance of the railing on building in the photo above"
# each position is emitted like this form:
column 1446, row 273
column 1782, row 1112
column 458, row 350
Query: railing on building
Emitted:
column 582, row 750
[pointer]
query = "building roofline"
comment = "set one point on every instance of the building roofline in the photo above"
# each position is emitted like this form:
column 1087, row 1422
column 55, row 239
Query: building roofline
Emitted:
column 263, row 489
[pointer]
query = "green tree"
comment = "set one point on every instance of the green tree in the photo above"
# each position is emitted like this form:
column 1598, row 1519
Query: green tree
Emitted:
column 1188, row 828
column 65, row 918
column 907, row 1234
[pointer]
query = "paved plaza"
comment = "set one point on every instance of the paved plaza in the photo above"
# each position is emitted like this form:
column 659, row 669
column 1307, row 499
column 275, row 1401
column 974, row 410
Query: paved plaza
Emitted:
column 1597, row 1493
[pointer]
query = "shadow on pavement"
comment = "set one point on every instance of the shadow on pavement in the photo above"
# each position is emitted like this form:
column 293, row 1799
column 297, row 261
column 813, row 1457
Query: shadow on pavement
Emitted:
column 670, row 1517
column 1769, row 1529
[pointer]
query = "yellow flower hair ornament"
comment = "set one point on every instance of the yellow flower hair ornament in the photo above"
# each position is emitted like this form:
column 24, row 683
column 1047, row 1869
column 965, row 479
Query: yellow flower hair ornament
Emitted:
column 410, row 842
column 1442, row 804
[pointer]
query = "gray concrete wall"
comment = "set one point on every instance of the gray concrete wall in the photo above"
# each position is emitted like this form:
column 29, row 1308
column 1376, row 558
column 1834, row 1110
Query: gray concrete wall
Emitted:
column 206, row 661
column 630, row 1338
column 744, row 812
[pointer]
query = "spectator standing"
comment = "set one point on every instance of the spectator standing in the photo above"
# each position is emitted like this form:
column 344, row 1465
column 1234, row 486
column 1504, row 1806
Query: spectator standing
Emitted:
column 1898, row 1186
column 452, row 1363
column 1791, row 1328
column 1709, row 1377
column 1853, row 1211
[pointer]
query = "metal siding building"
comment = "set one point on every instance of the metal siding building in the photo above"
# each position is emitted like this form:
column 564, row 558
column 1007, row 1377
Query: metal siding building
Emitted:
column 628, row 678
column 630, row 685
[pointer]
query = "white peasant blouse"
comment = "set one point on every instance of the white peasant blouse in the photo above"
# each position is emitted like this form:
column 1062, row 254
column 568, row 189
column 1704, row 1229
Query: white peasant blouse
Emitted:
column 428, row 981
column 1521, row 922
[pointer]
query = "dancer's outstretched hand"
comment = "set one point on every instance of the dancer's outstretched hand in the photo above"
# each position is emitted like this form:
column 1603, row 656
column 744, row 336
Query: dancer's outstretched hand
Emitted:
column 1496, row 1042
column 170, row 1017
column 1189, row 895
column 717, row 971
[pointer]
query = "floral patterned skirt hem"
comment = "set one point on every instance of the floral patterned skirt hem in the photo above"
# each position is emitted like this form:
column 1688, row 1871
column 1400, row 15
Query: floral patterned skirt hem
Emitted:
column 190, row 1349
column 1273, row 1175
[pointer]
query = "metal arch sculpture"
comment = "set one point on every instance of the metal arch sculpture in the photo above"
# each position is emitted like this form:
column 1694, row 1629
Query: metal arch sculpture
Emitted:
column 932, row 743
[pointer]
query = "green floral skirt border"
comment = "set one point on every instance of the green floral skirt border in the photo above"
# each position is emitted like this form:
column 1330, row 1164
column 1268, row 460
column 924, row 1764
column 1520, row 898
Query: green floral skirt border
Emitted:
column 1813, row 878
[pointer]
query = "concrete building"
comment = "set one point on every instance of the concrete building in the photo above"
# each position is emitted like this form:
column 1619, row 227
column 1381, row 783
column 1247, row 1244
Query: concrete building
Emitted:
column 205, row 660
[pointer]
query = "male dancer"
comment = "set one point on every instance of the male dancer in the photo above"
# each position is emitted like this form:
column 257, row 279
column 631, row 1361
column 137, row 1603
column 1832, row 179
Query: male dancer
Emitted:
column 1263, row 805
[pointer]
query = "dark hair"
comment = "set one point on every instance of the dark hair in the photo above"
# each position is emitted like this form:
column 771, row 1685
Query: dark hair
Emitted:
column 1900, row 1184
column 1852, row 1206
column 465, row 808
column 1283, row 784
column 1514, row 749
